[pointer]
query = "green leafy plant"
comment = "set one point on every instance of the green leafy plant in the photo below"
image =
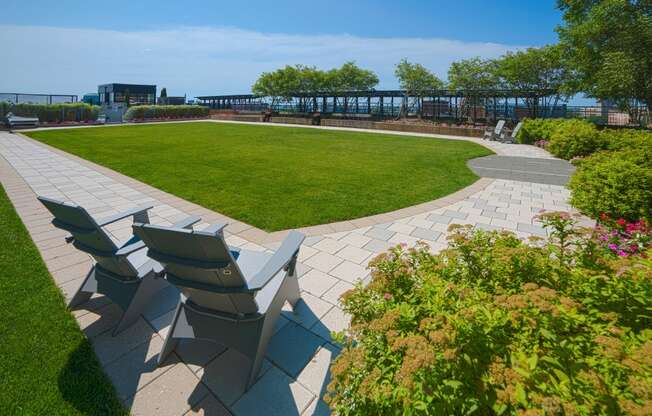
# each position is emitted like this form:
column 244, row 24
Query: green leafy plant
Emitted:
column 618, row 184
column 537, row 129
column 53, row 113
column 143, row 112
column 496, row 326
column 576, row 138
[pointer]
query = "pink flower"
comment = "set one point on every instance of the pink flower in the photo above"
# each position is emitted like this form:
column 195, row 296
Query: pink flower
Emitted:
column 622, row 253
column 612, row 246
column 388, row 296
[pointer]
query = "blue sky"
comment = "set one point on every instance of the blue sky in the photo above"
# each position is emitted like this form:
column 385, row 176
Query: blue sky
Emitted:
column 204, row 47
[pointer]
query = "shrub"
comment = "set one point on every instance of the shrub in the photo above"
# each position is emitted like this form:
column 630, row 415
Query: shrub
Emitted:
column 622, row 139
column 54, row 113
column 537, row 129
column 142, row 112
column 576, row 138
column 497, row 326
column 617, row 183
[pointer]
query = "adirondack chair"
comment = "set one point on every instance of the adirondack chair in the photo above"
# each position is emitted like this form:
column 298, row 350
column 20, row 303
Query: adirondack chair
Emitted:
column 231, row 297
column 494, row 133
column 122, row 272
column 507, row 137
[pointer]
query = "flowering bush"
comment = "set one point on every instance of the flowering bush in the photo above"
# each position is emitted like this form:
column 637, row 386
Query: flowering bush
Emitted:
column 624, row 238
column 494, row 325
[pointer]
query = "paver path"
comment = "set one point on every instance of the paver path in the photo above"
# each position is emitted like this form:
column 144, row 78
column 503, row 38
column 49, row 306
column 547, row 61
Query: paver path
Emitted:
column 203, row 378
column 550, row 171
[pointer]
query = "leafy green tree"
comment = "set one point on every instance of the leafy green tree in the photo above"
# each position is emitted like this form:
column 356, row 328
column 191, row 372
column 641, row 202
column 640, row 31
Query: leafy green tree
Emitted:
column 473, row 74
column 538, row 70
column 279, row 85
column 350, row 77
column 283, row 83
column 416, row 81
column 609, row 45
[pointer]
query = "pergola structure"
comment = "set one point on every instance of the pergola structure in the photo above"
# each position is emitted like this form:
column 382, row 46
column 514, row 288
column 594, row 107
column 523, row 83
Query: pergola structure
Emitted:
column 435, row 104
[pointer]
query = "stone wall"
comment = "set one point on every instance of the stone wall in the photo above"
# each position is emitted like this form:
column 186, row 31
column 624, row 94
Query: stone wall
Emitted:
column 292, row 120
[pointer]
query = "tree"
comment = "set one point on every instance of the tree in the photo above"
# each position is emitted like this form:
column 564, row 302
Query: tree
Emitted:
column 540, row 71
column 609, row 45
column 283, row 83
column 416, row 81
column 279, row 85
column 473, row 74
column 350, row 77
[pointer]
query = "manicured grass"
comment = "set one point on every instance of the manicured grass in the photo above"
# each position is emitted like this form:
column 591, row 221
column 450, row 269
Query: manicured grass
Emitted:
column 47, row 366
column 278, row 177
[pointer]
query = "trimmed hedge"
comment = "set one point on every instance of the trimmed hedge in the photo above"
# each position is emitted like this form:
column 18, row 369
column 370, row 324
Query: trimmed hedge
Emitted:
column 142, row 112
column 52, row 113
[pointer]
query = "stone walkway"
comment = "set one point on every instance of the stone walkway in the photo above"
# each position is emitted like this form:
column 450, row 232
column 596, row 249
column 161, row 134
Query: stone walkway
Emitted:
column 202, row 378
column 549, row 171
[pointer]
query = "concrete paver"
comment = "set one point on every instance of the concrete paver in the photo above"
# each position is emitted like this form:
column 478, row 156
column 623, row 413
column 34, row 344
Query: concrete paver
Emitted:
column 333, row 257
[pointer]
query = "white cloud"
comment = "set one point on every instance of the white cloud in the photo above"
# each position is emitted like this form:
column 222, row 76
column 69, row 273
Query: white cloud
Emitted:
column 201, row 60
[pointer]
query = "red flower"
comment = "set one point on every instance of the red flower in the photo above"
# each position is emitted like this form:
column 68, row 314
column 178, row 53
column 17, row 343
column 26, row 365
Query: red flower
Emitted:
column 621, row 221
column 604, row 216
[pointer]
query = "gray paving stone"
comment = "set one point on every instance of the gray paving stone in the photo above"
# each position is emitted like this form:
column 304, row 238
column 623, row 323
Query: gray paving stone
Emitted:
column 379, row 233
column 531, row 229
column 455, row 214
column 108, row 348
column 292, row 348
column 137, row 368
column 377, row 246
column 426, row 234
column 441, row 219
column 208, row 406
column 173, row 393
column 281, row 395
column 226, row 376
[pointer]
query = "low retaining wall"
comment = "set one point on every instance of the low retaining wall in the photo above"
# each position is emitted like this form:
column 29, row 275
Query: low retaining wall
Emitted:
column 237, row 117
column 292, row 120
column 405, row 127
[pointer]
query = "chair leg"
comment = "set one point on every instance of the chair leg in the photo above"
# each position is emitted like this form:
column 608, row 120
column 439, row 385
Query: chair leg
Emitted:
column 170, row 341
column 85, row 291
column 292, row 282
column 147, row 288
column 256, row 364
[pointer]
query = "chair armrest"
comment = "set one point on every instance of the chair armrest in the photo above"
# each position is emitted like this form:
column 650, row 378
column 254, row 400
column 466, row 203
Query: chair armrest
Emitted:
column 139, row 214
column 187, row 222
column 281, row 259
column 126, row 250
column 212, row 229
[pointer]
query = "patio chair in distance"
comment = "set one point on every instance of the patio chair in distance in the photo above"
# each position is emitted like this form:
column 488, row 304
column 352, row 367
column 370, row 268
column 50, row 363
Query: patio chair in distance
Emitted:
column 507, row 137
column 494, row 133
column 122, row 272
column 231, row 297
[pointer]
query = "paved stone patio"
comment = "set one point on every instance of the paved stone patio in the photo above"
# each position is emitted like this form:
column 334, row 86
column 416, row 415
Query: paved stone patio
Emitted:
column 203, row 378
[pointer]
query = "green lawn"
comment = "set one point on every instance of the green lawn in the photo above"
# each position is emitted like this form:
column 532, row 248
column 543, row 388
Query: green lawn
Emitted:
column 47, row 366
column 278, row 177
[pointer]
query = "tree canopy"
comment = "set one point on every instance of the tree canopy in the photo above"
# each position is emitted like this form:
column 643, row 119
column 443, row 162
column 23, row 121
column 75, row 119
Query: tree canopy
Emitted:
column 415, row 79
column 282, row 83
column 609, row 45
column 473, row 74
